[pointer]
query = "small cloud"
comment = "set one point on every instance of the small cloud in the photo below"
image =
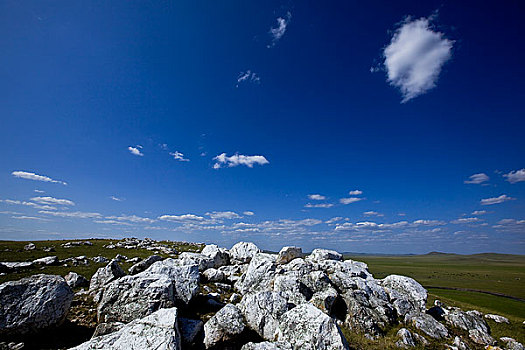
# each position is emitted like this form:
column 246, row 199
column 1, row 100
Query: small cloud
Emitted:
column 350, row 200
column 355, row 192
column 76, row 214
column 238, row 159
column 402, row 214
column 24, row 217
column 479, row 212
column 136, row 150
column 248, row 77
column 40, row 191
column 179, row 156
column 477, row 179
column 316, row 197
column 131, row 218
column 319, row 205
column 372, row 213
column 53, row 201
column 496, row 200
column 465, row 220
column 515, row 176
column 229, row 215
column 28, row 204
column 116, row 199
column 278, row 32
column 180, row 218
column 249, row 213
column 334, row 219
column 428, row 222
column 415, row 56
column 32, row 176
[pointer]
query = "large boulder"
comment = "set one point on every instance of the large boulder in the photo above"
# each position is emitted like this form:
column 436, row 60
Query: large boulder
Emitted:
column 220, row 256
column 158, row 331
column 324, row 254
column 75, row 280
column 306, row 327
column 259, row 275
column 186, row 278
column 48, row 260
column 262, row 312
column 144, row 264
column 202, row 261
column 214, row 275
column 33, row 303
column 407, row 295
column 105, row 275
column 287, row 254
column 225, row 325
column 243, row 252
column 427, row 324
column 472, row 322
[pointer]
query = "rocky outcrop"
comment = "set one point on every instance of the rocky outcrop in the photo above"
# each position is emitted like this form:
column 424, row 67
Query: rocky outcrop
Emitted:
column 427, row 324
column 144, row 264
column 324, row 254
column 243, row 252
column 219, row 256
column 497, row 318
column 259, row 274
column 74, row 280
column 472, row 322
column 105, row 275
column 262, row 312
column 33, row 303
column 225, row 325
column 185, row 278
column 46, row 261
column 287, row 254
column 306, row 327
column 407, row 295
column 158, row 331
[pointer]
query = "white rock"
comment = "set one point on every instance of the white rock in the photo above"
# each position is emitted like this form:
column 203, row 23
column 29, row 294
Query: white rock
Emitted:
column 186, row 278
column 75, row 280
column 33, row 303
column 243, row 252
column 324, row 254
column 511, row 344
column 262, row 312
column 406, row 339
column 144, row 264
column 220, row 256
column 308, row 328
column 48, row 260
column 201, row 260
column 30, row 246
column 497, row 318
column 214, row 275
column 287, row 254
column 259, row 275
column 158, row 331
column 480, row 337
column 267, row 346
column 407, row 295
column 225, row 325
column 105, row 275
column 427, row 324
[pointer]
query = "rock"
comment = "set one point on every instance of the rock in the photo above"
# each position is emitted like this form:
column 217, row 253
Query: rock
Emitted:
column 33, row 303
column 406, row 339
column 262, row 312
column 467, row 321
column 287, row 254
column 202, row 261
column 225, row 325
column 259, row 274
column 134, row 260
column 407, row 295
column 185, row 278
column 30, row 246
column 220, row 256
column 75, row 280
column 144, row 264
column 48, row 260
column 437, row 312
column 324, row 254
column 99, row 259
column 158, row 331
column 325, row 300
column 190, row 329
column 120, row 258
column 458, row 344
column 235, row 298
column 306, row 327
column 11, row 346
column 480, row 337
column 497, row 318
column 292, row 288
column 107, row 328
column 511, row 344
column 243, row 252
column 9, row 266
column 214, row 275
column 105, row 275
column 267, row 346
column 427, row 324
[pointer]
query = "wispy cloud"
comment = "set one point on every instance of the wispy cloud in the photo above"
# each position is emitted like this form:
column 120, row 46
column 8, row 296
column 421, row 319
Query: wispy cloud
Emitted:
column 355, row 192
column 116, row 198
column 131, row 218
column 32, row 176
column 229, row 215
column 238, row 159
column 277, row 32
column 415, row 56
column 181, row 218
column 136, row 150
column 319, row 205
column 465, row 220
column 25, row 217
column 477, row 179
column 515, row 176
column 372, row 213
column 248, row 213
column 27, row 204
column 53, row 201
column 39, row 191
column 479, row 212
column 427, row 222
column 496, row 200
column 248, row 77
column 350, row 200
column 68, row 214
column 316, row 197
column 179, row 156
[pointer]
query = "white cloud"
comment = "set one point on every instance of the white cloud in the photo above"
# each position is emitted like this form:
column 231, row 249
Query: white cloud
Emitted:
column 334, row 219
column 477, row 179
column 415, row 56
column 32, row 176
column 181, row 218
column 39, row 191
column 229, row 215
column 116, row 199
column 25, row 217
column 76, row 214
column 465, row 220
column 238, row 159
column 179, row 156
column 479, row 212
column 496, row 200
column 515, row 176
column 278, row 32
column 319, row 205
column 355, row 192
column 27, row 204
column 51, row 200
column 350, row 200
column 428, row 222
column 249, row 213
column 316, row 197
column 135, row 150
column 372, row 213
column 112, row 222
column 248, row 77
column 131, row 218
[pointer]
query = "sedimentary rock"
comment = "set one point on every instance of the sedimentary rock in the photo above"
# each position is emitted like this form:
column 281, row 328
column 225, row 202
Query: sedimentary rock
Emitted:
column 287, row 254
column 407, row 295
column 262, row 312
column 33, row 303
column 144, row 264
column 243, row 252
column 185, row 278
column 219, row 256
column 75, row 280
column 472, row 322
column 427, row 324
column 105, row 275
column 225, row 325
column 324, row 254
column 497, row 318
column 48, row 260
column 259, row 274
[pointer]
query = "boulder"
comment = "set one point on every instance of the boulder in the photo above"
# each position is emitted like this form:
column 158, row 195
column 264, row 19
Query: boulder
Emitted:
column 306, row 327
column 324, row 254
column 427, row 324
column 511, row 344
column 185, row 278
column 467, row 321
column 214, row 275
column 220, row 256
column 225, row 325
column 202, row 261
column 458, row 344
column 243, row 252
column 107, row 327
column 144, row 264
column 99, row 259
column 105, row 275
column 75, row 280
column 267, row 346
column 287, row 254
column 158, row 331
column 479, row 337
column 407, row 295
column 33, row 303
column 48, row 260
column 292, row 288
column 262, row 312
column 406, row 340
column 30, row 246
column 259, row 275
column 497, row 318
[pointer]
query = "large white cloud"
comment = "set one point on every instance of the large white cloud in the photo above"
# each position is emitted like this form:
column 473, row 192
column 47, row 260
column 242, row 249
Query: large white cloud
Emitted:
column 415, row 56
column 238, row 159
column 53, row 201
column 496, row 200
column 477, row 179
column 32, row 176
column 515, row 176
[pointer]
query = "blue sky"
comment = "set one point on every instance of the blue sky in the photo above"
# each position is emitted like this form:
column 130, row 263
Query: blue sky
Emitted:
column 343, row 125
